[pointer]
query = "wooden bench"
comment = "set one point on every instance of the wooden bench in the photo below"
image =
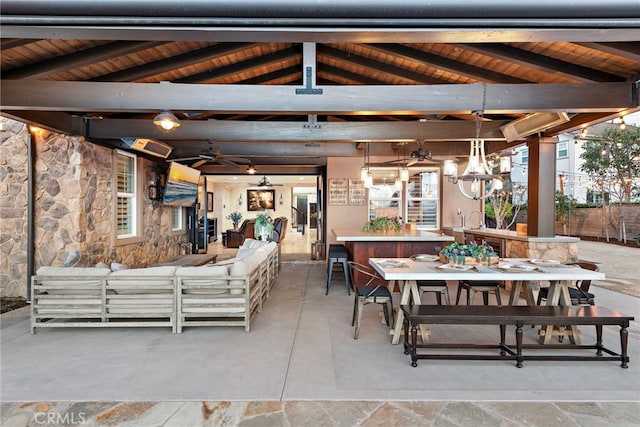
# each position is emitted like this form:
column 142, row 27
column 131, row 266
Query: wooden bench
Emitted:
column 517, row 316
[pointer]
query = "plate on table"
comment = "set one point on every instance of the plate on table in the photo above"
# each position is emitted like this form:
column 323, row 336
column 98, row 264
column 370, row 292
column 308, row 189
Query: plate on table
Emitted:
column 425, row 258
column 516, row 267
column 391, row 263
column 455, row 267
column 545, row 262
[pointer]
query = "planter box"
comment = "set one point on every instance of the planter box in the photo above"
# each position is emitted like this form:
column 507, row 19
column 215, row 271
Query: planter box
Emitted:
column 472, row 261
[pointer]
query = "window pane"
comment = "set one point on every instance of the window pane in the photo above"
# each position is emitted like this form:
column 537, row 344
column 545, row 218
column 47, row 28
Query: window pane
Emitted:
column 124, row 216
column 423, row 200
column 176, row 218
column 126, row 171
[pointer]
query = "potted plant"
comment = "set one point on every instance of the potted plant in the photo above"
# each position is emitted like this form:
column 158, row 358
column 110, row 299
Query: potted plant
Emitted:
column 471, row 254
column 235, row 218
column 383, row 224
column 264, row 226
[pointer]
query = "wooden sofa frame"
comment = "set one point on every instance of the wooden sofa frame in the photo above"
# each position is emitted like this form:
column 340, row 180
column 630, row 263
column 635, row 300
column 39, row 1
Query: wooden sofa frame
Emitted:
column 60, row 301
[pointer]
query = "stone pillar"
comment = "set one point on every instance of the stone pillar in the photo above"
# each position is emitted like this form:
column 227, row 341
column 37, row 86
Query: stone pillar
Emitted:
column 541, row 211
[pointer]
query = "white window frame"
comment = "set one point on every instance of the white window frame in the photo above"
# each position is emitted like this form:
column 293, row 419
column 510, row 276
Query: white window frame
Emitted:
column 177, row 211
column 564, row 144
column 524, row 156
column 432, row 199
column 136, row 233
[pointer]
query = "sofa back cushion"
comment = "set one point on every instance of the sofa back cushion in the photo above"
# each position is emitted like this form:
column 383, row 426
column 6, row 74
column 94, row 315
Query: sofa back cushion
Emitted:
column 208, row 279
column 142, row 277
column 79, row 277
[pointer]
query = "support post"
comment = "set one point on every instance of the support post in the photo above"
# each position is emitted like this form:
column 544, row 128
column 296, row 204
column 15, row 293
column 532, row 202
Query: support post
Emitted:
column 541, row 213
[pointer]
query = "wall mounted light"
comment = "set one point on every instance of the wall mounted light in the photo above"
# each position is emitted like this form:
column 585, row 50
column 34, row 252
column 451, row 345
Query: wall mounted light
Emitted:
column 155, row 191
column 251, row 169
column 166, row 121
column 281, row 200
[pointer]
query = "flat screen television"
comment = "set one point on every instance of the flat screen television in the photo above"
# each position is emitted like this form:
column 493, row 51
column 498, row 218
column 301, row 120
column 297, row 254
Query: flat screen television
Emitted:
column 182, row 185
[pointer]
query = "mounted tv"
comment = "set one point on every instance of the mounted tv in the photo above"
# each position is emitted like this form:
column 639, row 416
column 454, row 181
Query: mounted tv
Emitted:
column 182, row 185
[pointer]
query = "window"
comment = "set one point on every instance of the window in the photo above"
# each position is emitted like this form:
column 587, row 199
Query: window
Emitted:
column 127, row 206
column 423, row 199
column 417, row 202
column 563, row 150
column 126, row 198
column 177, row 222
column 524, row 156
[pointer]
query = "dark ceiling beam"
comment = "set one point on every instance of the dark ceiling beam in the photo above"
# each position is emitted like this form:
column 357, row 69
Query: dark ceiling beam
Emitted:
column 243, row 66
column 445, row 64
column 628, row 50
column 294, row 73
column 278, row 99
column 324, row 69
column 12, row 43
column 530, row 59
column 377, row 66
column 77, row 59
column 259, row 131
column 178, row 61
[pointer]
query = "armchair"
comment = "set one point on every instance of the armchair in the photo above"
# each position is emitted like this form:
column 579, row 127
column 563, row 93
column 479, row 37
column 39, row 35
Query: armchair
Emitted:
column 279, row 228
column 235, row 238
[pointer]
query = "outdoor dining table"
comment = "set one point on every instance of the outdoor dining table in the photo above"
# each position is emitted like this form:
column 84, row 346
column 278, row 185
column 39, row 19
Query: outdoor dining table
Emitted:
column 407, row 271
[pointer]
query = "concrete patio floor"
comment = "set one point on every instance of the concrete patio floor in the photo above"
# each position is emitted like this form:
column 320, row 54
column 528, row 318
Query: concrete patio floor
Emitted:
column 300, row 365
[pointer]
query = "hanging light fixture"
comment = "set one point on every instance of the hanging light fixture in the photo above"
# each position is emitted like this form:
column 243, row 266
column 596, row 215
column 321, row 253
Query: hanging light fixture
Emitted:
column 478, row 170
column 166, row 121
column 365, row 172
column 622, row 123
column 251, row 169
column 404, row 170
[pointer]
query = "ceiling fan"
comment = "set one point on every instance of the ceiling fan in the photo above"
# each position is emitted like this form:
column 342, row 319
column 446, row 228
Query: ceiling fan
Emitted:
column 416, row 156
column 266, row 182
column 216, row 157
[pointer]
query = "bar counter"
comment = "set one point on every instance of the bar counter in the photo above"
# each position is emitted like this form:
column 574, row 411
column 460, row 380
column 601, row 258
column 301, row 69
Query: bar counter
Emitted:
column 362, row 245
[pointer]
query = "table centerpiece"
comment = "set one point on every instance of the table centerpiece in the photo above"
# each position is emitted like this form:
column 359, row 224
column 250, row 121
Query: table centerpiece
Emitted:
column 471, row 254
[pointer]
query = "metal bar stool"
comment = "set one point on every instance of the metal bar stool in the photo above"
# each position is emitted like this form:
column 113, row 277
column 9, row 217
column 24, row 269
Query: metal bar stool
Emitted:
column 338, row 255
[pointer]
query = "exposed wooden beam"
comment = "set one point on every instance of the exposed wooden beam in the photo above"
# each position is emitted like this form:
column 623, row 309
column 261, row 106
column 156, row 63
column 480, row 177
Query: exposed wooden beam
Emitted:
column 530, row 59
column 243, row 66
column 366, row 100
column 629, row 50
column 446, row 64
column 169, row 64
column 377, row 66
column 12, row 43
column 235, row 130
column 77, row 59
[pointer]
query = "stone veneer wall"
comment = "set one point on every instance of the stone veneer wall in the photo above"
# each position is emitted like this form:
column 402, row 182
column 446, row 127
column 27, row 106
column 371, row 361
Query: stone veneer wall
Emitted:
column 73, row 208
column 565, row 252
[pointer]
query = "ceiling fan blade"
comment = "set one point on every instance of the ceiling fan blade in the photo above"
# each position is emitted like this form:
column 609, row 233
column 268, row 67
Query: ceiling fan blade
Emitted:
column 412, row 162
column 199, row 163
column 227, row 162
column 238, row 160
column 185, row 159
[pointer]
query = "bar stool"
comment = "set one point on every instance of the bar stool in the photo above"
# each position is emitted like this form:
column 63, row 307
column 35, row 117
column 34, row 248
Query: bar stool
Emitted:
column 338, row 255
column 486, row 287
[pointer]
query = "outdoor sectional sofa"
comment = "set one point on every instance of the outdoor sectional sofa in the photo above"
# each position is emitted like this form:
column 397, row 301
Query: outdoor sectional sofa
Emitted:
column 228, row 293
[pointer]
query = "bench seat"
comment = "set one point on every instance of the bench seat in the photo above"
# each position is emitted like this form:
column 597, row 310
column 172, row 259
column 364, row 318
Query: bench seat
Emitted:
column 517, row 316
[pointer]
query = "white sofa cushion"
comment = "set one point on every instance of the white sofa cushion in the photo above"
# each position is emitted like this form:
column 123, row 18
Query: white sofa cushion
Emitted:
column 214, row 276
column 238, row 269
column 66, row 286
column 141, row 277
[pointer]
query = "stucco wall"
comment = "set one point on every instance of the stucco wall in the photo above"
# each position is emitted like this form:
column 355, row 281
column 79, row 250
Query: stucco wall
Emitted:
column 73, row 208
